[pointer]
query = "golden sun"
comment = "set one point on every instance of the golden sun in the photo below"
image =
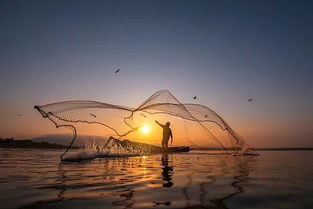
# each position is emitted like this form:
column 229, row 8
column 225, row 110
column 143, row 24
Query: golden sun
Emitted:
column 145, row 129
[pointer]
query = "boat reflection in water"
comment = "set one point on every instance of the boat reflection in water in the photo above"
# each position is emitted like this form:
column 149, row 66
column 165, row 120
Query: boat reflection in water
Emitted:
column 168, row 180
column 34, row 179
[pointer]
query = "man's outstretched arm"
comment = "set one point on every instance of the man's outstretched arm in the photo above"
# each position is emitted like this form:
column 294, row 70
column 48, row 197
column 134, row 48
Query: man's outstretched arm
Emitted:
column 157, row 122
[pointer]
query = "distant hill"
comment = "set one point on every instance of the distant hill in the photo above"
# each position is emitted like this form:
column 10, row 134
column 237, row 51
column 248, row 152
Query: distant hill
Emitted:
column 64, row 139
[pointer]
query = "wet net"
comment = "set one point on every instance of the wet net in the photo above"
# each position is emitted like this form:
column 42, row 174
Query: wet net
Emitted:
column 192, row 125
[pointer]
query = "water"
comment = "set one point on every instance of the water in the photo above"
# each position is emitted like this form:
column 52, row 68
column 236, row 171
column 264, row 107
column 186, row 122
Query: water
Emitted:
column 32, row 178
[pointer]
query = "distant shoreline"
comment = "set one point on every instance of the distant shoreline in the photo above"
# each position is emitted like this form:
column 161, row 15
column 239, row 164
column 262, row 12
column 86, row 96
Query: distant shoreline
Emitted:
column 264, row 149
column 283, row 149
column 11, row 143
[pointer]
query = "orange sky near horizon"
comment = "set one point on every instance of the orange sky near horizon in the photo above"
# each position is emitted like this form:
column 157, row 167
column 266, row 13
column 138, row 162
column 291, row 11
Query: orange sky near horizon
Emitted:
column 257, row 133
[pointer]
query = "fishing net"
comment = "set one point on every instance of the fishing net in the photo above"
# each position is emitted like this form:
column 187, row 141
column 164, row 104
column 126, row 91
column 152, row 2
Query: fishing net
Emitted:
column 192, row 125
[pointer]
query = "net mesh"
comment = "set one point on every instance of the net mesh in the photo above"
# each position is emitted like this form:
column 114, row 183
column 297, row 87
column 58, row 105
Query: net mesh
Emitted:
column 192, row 125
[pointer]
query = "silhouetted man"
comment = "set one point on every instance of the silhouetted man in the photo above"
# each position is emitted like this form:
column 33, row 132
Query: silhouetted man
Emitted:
column 167, row 133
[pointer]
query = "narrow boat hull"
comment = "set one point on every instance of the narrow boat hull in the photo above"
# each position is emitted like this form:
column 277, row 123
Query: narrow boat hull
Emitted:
column 152, row 149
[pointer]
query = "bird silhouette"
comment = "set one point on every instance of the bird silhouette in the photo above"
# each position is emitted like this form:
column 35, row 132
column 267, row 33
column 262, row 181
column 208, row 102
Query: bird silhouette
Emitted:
column 195, row 97
column 250, row 100
column 93, row 115
column 161, row 203
column 19, row 115
column 206, row 116
column 118, row 70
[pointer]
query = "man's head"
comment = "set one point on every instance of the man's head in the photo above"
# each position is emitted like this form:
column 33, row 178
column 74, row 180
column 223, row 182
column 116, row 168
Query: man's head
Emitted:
column 168, row 124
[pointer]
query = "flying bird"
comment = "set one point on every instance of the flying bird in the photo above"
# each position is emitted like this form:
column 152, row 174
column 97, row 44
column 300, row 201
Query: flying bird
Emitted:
column 19, row 115
column 195, row 97
column 161, row 203
column 93, row 115
column 250, row 100
column 206, row 116
column 118, row 70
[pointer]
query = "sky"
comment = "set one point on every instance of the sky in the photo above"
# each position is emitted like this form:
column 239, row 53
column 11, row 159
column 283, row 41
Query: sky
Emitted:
column 225, row 52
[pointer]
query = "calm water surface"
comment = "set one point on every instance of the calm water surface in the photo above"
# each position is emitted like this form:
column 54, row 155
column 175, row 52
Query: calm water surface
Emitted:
column 32, row 178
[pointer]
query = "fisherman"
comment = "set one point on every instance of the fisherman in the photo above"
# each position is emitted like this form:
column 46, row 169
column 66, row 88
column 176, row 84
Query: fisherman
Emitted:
column 167, row 134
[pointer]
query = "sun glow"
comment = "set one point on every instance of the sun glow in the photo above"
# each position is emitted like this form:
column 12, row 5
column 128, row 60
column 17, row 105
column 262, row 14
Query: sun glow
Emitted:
column 145, row 129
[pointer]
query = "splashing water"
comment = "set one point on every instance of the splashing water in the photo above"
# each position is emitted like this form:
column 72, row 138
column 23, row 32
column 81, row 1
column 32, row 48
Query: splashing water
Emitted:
column 112, row 148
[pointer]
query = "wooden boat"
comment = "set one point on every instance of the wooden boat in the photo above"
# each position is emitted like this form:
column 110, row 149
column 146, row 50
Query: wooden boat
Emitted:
column 150, row 149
